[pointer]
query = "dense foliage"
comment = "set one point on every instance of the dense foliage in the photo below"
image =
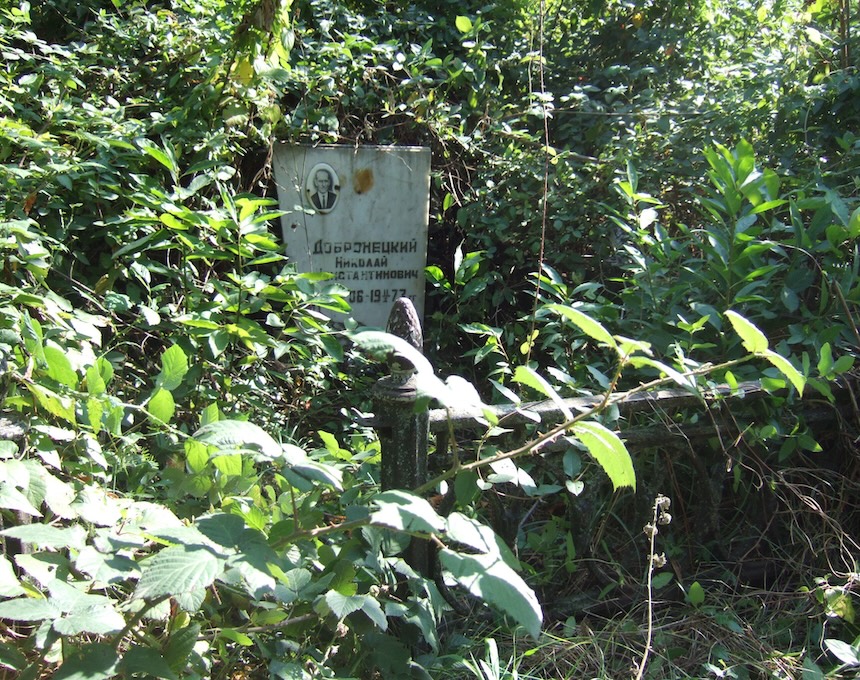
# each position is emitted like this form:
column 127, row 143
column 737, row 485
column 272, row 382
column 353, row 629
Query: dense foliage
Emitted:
column 623, row 195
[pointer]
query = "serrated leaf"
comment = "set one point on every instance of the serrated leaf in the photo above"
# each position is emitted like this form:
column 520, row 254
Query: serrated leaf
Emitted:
column 59, row 367
column 373, row 610
column 239, row 436
column 178, row 569
column 754, row 341
column 47, row 536
column 53, row 403
column 222, row 528
column 29, row 609
column 93, row 504
column 94, row 619
column 161, row 405
column 145, row 661
column 786, row 368
column 96, row 661
column 609, row 452
column 489, row 578
column 406, row 512
column 196, row 455
column 179, row 647
column 174, row 366
column 585, row 323
column 343, row 605
column 106, row 568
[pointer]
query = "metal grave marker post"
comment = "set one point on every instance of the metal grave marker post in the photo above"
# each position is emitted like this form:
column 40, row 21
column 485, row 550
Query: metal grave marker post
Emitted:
column 360, row 213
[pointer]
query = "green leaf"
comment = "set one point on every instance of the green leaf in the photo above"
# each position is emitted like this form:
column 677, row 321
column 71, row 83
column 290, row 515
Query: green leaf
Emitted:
column 463, row 24
column 609, row 451
column 29, row 609
column 406, row 512
column 239, row 436
column 174, row 366
column 526, row 375
column 489, row 578
column 12, row 499
column 661, row 580
column 48, row 536
column 696, row 594
column 685, row 381
column 196, row 455
column 236, row 636
column 786, row 368
column 53, row 403
column 97, row 619
column 179, row 647
column 753, row 339
column 847, row 654
column 59, row 367
column 386, row 347
column 230, row 465
column 854, row 224
column 145, row 661
column 811, row 671
column 161, row 155
column 96, row 661
column 178, row 569
column 343, row 605
column 9, row 584
column 585, row 323
column 161, row 405
column 106, row 568
column 480, row 537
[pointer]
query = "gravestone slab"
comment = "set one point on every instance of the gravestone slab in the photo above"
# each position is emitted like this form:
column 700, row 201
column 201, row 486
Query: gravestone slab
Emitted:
column 360, row 213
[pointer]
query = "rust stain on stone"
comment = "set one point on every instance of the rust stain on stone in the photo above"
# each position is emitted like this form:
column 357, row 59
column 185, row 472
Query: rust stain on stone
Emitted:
column 362, row 181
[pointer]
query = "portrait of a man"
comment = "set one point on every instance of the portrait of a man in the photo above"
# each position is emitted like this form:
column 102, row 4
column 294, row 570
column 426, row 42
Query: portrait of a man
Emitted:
column 323, row 188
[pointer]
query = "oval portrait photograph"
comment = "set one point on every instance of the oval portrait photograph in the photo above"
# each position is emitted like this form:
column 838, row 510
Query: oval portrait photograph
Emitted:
column 322, row 187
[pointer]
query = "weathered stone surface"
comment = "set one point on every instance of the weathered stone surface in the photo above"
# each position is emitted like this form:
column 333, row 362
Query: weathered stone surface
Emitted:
column 369, row 228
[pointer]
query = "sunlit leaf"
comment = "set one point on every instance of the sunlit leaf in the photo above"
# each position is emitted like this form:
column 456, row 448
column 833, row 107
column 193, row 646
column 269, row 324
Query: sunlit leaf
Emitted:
column 525, row 375
column 488, row 577
column 59, row 367
column 585, row 323
column 174, row 366
column 161, row 405
column 406, row 512
column 847, row 654
column 786, row 368
column 463, row 24
column 237, row 436
column 178, row 569
column 753, row 339
column 609, row 451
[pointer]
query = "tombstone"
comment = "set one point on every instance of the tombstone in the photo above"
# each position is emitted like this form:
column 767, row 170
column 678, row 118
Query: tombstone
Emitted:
column 360, row 213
